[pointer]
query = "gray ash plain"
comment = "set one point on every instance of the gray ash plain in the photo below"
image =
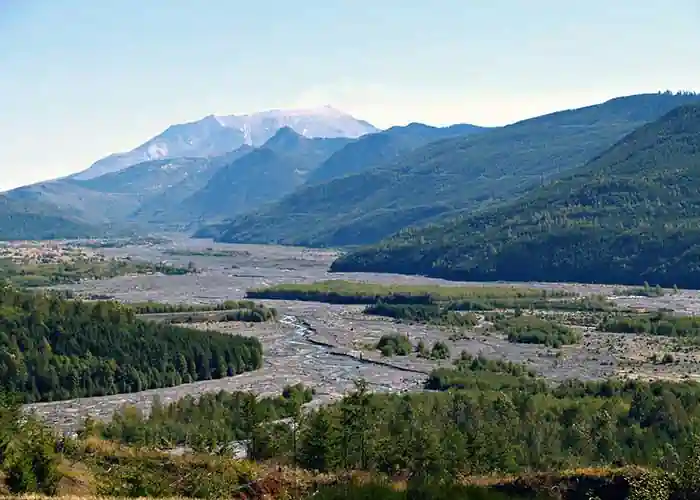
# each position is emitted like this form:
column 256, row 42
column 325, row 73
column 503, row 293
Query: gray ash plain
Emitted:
column 336, row 351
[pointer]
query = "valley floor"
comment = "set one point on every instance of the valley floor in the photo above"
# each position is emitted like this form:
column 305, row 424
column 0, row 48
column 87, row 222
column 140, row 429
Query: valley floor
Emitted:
column 328, row 346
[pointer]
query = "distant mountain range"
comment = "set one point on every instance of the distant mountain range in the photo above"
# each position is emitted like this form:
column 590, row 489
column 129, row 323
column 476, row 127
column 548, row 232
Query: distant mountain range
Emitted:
column 198, row 189
column 155, row 185
column 422, row 199
column 443, row 177
column 217, row 135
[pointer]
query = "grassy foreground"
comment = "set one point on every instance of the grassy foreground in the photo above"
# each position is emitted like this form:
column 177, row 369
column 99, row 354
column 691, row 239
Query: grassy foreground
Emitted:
column 109, row 471
column 133, row 462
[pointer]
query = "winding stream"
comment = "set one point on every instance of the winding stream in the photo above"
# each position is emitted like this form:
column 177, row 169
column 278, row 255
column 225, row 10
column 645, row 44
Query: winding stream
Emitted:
column 334, row 363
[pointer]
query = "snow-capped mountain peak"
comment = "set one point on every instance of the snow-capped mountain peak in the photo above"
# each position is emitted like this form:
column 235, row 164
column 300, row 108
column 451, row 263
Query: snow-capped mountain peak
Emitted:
column 215, row 135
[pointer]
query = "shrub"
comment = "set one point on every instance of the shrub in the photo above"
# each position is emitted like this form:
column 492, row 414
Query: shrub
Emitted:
column 440, row 351
column 391, row 345
column 533, row 330
column 30, row 460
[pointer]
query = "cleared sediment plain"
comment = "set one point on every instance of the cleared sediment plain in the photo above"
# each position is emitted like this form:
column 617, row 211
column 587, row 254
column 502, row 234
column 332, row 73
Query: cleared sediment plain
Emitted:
column 335, row 351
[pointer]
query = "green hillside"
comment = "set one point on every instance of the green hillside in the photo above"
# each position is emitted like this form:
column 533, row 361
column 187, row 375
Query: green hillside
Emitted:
column 630, row 215
column 445, row 177
column 35, row 221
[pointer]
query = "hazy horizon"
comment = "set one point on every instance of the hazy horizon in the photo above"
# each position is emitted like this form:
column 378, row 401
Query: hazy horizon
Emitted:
column 85, row 79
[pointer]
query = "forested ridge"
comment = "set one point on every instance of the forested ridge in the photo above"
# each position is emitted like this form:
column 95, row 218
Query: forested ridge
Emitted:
column 52, row 348
column 446, row 177
column 630, row 215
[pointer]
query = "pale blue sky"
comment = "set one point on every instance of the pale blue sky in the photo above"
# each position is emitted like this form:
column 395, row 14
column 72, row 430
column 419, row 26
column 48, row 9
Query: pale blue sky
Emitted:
column 80, row 79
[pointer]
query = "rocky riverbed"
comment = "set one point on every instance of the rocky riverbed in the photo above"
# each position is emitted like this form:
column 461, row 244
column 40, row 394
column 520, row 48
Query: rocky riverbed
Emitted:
column 328, row 346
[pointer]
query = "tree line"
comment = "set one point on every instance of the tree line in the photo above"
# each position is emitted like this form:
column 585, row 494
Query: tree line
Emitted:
column 349, row 292
column 657, row 323
column 458, row 428
column 210, row 423
column 152, row 307
column 228, row 310
column 422, row 313
column 430, row 439
column 52, row 348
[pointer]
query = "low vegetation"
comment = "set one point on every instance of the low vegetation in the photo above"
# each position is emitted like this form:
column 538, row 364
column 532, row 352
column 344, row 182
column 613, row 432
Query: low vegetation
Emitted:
column 395, row 344
column 51, row 274
column 138, row 474
column 229, row 310
column 383, row 489
column 527, row 329
column 422, row 313
column 349, row 292
column 207, row 252
column 655, row 323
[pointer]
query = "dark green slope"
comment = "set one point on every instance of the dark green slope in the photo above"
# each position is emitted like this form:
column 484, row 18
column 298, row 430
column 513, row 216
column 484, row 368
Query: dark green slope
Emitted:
column 630, row 215
column 34, row 221
column 446, row 177
column 263, row 175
